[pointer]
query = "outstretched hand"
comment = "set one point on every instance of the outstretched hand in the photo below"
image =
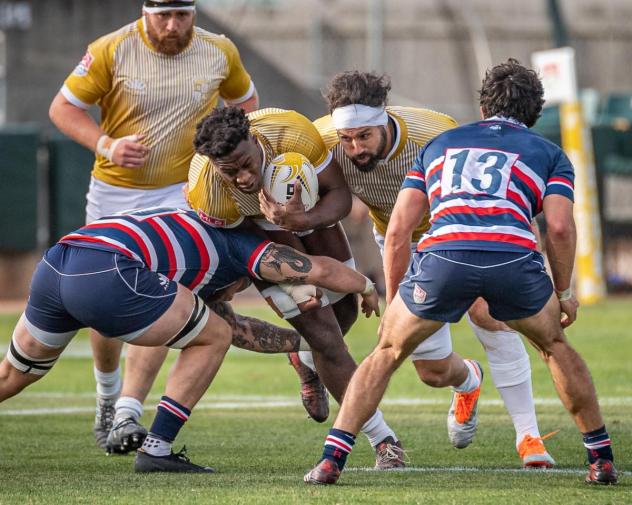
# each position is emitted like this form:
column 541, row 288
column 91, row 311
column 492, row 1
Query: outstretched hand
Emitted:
column 289, row 216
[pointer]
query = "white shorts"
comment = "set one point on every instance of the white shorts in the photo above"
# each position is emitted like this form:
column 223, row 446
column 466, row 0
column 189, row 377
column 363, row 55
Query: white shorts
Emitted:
column 439, row 344
column 104, row 199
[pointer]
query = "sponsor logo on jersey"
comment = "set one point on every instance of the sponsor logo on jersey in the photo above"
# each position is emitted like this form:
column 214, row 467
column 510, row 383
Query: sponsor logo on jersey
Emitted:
column 84, row 65
column 419, row 295
column 202, row 90
column 136, row 86
column 213, row 221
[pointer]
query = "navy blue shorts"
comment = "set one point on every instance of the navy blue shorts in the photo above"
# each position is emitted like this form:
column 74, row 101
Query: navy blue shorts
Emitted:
column 442, row 285
column 76, row 287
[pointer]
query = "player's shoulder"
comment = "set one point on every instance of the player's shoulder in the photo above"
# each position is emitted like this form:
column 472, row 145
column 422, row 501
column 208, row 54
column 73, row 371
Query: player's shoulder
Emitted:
column 218, row 40
column 279, row 117
column 112, row 40
column 327, row 131
column 422, row 124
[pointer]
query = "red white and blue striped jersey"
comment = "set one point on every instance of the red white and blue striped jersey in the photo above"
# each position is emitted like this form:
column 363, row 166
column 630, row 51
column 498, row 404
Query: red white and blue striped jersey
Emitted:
column 485, row 182
column 177, row 244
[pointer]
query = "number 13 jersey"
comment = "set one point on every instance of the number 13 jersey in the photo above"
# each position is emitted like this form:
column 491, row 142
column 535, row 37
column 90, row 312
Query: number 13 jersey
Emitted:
column 485, row 182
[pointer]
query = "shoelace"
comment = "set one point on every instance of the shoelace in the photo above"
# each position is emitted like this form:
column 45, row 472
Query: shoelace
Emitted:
column 106, row 413
column 392, row 452
column 183, row 454
column 464, row 405
column 535, row 441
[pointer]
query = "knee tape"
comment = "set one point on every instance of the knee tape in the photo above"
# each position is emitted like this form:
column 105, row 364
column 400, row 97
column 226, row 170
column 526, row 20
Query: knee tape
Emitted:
column 283, row 304
column 193, row 327
column 334, row 296
column 27, row 364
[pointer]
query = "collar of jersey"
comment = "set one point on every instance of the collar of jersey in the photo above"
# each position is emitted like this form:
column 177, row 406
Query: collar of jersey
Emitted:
column 508, row 119
column 400, row 135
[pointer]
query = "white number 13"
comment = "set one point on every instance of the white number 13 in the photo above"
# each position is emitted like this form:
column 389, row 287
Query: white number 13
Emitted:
column 477, row 171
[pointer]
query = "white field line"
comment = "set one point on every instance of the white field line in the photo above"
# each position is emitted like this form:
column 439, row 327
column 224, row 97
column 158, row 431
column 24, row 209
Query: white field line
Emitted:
column 473, row 469
column 238, row 402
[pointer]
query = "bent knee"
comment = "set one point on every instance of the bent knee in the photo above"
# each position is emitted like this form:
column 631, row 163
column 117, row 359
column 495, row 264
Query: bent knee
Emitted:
column 434, row 373
column 480, row 316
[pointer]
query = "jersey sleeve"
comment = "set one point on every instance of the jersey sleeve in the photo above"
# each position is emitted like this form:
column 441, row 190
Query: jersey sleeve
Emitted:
column 415, row 177
column 562, row 178
column 246, row 251
column 92, row 77
column 209, row 197
column 237, row 87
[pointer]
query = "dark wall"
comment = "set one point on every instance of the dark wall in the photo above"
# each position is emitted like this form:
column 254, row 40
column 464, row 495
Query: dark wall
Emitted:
column 40, row 57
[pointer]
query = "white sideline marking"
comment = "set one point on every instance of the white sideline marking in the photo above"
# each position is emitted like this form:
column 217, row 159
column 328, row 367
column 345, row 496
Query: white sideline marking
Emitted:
column 473, row 469
column 239, row 402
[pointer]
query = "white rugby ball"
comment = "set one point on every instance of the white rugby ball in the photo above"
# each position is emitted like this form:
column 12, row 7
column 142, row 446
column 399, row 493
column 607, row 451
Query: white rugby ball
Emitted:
column 283, row 171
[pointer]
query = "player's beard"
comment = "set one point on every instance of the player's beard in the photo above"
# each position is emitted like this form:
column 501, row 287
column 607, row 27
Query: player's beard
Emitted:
column 169, row 44
column 374, row 157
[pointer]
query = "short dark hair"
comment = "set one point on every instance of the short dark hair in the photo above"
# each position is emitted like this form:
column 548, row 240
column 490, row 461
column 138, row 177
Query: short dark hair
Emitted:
column 351, row 87
column 219, row 133
column 512, row 90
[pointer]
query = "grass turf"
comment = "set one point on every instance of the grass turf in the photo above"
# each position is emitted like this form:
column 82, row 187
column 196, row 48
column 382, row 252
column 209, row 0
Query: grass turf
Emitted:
column 261, row 448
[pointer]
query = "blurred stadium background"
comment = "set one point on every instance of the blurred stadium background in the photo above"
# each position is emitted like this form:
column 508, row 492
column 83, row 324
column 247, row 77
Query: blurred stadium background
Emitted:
column 434, row 50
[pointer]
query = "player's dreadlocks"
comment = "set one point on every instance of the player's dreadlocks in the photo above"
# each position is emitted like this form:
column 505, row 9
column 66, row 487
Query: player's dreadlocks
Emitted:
column 219, row 133
column 513, row 91
column 366, row 88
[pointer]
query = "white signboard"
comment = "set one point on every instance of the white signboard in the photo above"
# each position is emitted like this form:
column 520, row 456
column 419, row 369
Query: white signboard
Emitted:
column 556, row 68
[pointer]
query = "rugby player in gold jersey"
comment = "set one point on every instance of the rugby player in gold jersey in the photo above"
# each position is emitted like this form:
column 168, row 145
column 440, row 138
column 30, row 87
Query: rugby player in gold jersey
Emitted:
column 150, row 100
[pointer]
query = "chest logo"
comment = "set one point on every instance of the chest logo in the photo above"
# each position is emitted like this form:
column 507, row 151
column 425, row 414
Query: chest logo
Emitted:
column 202, row 90
column 136, row 86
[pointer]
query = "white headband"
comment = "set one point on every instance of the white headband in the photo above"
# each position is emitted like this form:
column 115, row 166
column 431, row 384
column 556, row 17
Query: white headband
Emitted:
column 154, row 10
column 358, row 115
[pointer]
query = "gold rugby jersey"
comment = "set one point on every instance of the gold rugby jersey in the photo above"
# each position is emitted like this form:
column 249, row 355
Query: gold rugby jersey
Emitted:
column 141, row 90
column 379, row 188
column 278, row 131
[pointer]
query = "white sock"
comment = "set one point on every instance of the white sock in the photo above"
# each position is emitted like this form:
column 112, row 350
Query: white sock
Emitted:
column 519, row 403
column 510, row 369
column 473, row 379
column 156, row 446
column 126, row 406
column 108, row 383
column 376, row 429
column 307, row 359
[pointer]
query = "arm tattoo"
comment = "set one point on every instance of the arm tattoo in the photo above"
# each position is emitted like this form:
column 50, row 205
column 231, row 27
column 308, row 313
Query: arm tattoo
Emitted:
column 277, row 255
column 256, row 335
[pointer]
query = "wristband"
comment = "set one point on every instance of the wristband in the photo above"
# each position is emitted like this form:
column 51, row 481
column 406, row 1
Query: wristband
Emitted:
column 369, row 288
column 106, row 145
column 562, row 296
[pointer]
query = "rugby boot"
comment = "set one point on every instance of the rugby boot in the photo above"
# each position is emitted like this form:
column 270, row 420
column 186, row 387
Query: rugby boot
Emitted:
column 125, row 436
column 313, row 393
column 533, row 453
column 103, row 420
column 177, row 463
column 389, row 455
column 601, row 472
column 325, row 472
column 463, row 414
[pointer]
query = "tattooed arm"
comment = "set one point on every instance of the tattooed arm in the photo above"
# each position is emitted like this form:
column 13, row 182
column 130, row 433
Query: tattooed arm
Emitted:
column 256, row 335
column 282, row 264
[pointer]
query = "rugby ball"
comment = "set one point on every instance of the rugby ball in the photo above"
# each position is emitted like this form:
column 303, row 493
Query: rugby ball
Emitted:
column 283, row 171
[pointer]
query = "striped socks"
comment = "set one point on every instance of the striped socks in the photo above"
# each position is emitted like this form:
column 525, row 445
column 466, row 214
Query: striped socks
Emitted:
column 338, row 445
column 170, row 417
column 597, row 444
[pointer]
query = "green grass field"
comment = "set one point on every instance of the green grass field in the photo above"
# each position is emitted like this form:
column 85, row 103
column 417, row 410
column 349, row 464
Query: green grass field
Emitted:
column 251, row 428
